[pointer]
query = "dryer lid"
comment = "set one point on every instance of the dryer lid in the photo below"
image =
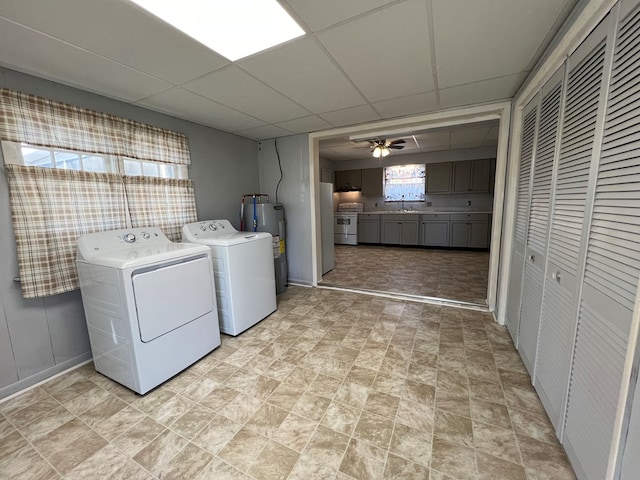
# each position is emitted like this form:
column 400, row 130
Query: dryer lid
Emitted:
column 134, row 247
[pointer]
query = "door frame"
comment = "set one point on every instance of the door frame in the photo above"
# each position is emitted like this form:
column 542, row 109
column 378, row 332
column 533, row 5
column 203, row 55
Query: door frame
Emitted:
column 500, row 111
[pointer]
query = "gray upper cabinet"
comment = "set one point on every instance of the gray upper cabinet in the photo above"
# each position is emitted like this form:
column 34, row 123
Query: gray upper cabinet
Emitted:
column 372, row 182
column 438, row 177
column 348, row 180
column 471, row 176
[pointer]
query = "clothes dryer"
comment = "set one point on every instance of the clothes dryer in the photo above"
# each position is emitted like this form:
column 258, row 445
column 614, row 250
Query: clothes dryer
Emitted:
column 149, row 303
column 244, row 272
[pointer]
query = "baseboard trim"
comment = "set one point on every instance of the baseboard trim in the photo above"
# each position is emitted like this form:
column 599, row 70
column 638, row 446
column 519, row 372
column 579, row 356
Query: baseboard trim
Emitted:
column 33, row 381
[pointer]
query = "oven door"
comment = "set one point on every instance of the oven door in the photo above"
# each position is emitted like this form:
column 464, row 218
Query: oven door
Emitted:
column 345, row 229
column 344, row 224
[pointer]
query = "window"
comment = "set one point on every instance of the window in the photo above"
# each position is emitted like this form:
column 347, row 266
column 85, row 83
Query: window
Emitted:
column 404, row 183
column 30, row 156
column 59, row 191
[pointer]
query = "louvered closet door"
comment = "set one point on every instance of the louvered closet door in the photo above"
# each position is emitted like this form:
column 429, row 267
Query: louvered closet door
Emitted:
column 536, row 247
column 559, row 309
column 612, row 268
column 527, row 145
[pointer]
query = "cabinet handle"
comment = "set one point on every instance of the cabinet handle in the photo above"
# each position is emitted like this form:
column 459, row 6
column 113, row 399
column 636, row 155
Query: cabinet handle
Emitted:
column 532, row 258
column 556, row 276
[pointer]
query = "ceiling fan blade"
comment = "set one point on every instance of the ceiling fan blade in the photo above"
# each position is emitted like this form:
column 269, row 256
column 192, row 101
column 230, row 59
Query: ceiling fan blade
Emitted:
column 396, row 147
column 396, row 142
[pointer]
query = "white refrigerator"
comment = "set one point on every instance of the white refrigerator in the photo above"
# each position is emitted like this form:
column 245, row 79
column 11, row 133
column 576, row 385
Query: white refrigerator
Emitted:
column 326, row 227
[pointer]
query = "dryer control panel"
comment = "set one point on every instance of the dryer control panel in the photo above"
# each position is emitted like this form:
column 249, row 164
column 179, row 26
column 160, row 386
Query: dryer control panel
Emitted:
column 120, row 240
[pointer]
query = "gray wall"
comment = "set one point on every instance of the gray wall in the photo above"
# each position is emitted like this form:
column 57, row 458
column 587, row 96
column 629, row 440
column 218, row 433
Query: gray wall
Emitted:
column 41, row 337
column 294, row 195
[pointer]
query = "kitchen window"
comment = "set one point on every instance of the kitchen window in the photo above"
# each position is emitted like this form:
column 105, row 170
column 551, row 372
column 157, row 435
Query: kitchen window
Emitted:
column 404, row 183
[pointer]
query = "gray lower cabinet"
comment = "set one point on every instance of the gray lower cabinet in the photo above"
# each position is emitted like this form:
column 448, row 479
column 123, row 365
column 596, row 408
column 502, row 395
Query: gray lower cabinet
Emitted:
column 434, row 230
column 368, row 228
column 469, row 230
column 398, row 230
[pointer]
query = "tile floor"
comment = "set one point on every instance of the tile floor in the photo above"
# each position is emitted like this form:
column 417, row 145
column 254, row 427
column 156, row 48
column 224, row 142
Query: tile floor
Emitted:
column 460, row 275
column 333, row 385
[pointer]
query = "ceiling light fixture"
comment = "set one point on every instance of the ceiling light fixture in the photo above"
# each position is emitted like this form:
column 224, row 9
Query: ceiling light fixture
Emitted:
column 234, row 29
column 380, row 151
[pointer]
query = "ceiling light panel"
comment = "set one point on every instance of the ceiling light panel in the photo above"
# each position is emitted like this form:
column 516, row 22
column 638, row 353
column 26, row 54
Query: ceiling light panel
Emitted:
column 234, row 29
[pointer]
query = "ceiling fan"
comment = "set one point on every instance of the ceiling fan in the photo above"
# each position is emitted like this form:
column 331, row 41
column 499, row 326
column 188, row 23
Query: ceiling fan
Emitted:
column 382, row 147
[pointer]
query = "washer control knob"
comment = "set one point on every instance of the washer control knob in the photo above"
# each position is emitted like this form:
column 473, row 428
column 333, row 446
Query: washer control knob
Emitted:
column 129, row 238
column 146, row 235
column 213, row 227
column 203, row 228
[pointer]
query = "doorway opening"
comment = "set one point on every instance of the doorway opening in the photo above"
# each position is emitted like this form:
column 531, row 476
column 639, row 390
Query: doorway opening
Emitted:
column 440, row 274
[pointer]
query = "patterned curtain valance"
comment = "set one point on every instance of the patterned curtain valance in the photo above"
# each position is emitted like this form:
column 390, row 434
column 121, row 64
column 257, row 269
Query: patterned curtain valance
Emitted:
column 42, row 122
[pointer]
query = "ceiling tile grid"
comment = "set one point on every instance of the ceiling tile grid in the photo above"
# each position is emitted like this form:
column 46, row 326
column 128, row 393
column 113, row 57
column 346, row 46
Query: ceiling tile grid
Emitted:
column 360, row 61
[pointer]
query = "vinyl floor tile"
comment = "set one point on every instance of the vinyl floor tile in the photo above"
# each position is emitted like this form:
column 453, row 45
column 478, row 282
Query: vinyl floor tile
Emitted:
column 333, row 385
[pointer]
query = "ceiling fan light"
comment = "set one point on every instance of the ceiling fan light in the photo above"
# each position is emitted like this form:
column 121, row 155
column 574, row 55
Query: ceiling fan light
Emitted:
column 385, row 151
column 377, row 152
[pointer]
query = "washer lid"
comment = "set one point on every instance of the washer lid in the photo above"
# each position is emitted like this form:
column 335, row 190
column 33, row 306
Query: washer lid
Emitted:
column 218, row 233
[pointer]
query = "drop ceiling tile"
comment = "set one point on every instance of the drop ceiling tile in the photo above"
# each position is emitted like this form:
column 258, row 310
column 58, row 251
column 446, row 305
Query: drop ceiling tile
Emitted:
column 385, row 53
column 410, row 105
column 184, row 104
column 351, row 116
column 141, row 41
column 485, row 39
column 265, row 132
column 43, row 56
column 305, row 125
column 468, row 136
column 484, row 91
column 237, row 89
column 434, row 139
column 317, row 15
column 302, row 71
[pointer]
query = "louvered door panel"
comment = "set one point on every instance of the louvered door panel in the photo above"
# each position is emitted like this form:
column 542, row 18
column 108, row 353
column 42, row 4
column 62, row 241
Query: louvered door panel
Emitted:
column 537, row 230
column 521, row 219
column 612, row 269
column 559, row 306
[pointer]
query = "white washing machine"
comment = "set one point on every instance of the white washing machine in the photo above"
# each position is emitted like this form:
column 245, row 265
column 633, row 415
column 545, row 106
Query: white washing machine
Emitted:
column 149, row 303
column 243, row 269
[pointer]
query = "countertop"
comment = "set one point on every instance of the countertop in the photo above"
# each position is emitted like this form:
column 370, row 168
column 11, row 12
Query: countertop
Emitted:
column 427, row 211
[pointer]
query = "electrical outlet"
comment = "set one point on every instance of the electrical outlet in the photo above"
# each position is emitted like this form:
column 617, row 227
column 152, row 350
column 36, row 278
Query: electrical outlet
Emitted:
column 468, row 203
